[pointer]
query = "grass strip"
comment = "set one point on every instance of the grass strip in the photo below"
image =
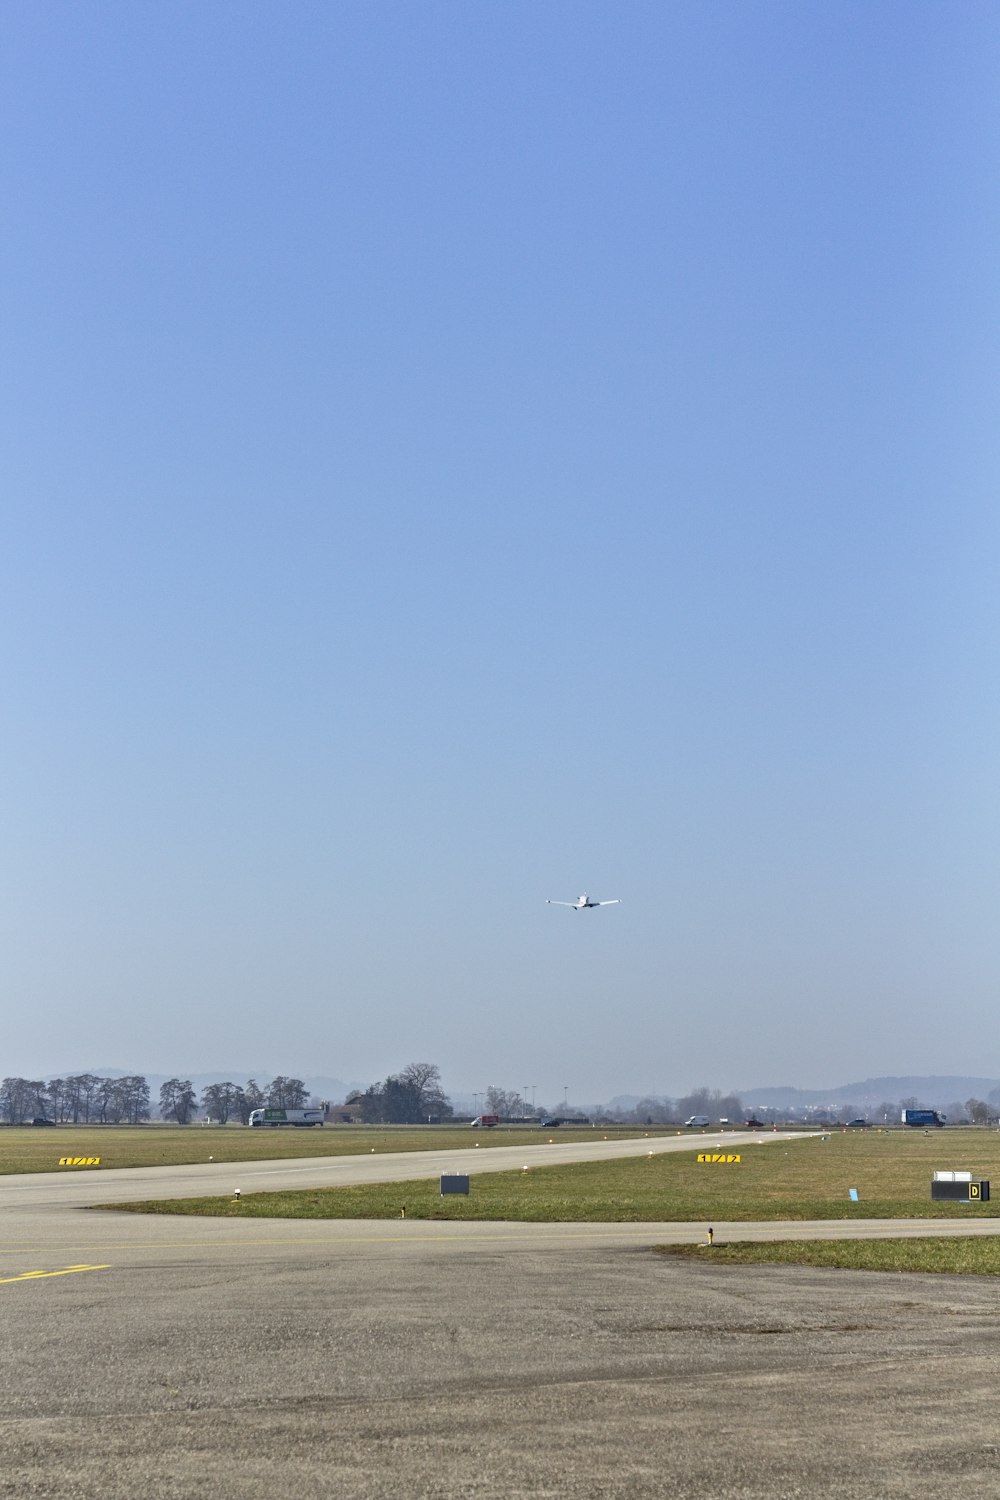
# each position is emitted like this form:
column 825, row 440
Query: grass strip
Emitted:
column 966, row 1256
column 807, row 1179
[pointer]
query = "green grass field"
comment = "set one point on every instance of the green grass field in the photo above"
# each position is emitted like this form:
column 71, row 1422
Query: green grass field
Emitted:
column 38, row 1149
column 802, row 1179
column 972, row 1256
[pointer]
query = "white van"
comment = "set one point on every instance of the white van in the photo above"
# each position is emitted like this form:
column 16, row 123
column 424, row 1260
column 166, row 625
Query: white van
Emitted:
column 698, row 1122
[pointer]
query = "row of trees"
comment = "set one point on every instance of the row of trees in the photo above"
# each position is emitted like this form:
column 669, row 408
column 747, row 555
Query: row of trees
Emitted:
column 222, row 1102
column 87, row 1099
column 410, row 1097
column 711, row 1102
column 506, row 1104
column 83, row 1099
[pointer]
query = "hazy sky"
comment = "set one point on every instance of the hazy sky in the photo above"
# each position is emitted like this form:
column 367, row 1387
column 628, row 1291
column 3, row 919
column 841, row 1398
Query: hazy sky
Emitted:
column 458, row 454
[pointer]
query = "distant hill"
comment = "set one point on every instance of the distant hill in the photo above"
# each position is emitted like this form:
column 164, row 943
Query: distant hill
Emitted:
column 934, row 1092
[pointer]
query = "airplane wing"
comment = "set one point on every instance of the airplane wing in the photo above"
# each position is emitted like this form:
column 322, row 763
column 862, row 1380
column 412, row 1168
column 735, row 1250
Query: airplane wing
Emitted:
column 616, row 902
column 560, row 903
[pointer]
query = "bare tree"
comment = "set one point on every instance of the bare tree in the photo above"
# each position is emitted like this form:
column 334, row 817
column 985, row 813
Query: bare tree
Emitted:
column 406, row 1098
column 17, row 1096
column 653, row 1111
column 132, row 1098
column 218, row 1100
column 58, row 1098
column 82, row 1091
column 425, row 1079
column 37, row 1098
column 104, row 1101
column 241, row 1105
column 286, row 1093
column 178, row 1100
column 710, row 1102
column 506, row 1103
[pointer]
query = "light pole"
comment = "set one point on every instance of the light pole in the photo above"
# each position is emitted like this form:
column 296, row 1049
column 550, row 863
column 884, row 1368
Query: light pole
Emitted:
column 524, row 1103
column 565, row 1097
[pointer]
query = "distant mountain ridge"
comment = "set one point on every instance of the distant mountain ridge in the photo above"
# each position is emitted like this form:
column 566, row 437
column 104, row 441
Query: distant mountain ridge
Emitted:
column 933, row 1092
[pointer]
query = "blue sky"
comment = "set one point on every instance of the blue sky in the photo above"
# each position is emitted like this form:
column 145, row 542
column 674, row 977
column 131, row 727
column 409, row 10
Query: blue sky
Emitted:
column 456, row 455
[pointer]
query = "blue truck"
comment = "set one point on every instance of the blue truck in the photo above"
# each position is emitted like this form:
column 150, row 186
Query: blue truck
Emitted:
column 923, row 1117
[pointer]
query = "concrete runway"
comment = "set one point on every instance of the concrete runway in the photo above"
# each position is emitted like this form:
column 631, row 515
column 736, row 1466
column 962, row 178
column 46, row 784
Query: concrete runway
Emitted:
column 171, row 1357
column 132, row 1184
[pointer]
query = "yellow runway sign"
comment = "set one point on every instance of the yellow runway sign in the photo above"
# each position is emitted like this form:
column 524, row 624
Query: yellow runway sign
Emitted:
column 79, row 1161
column 720, row 1157
column 42, row 1275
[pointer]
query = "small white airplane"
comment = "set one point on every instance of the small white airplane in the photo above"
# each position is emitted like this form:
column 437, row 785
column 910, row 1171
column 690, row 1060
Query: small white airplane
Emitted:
column 584, row 903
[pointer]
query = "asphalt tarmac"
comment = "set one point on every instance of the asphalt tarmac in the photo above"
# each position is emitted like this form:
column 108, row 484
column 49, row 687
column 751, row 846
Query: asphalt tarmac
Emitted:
column 173, row 1357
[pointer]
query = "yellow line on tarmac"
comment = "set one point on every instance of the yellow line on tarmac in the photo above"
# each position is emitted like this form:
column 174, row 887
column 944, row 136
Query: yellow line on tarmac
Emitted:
column 41, row 1275
column 322, row 1242
column 529, row 1233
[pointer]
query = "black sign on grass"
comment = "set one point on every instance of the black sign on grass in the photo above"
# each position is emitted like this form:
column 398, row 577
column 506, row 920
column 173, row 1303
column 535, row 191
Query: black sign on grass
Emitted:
column 961, row 1192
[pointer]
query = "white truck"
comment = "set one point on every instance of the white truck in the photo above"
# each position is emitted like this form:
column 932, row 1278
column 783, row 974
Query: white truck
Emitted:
column 286, row 1117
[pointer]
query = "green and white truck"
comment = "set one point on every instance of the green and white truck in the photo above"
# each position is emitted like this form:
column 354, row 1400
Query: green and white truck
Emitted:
column 286, row 1117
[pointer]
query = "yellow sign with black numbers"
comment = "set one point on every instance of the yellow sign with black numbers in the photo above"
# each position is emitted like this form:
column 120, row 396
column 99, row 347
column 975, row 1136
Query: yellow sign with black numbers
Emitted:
column 79, row 1161
column 720, row 1158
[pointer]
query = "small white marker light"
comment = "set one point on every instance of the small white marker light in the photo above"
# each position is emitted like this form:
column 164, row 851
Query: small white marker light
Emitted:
column 236, row 1192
